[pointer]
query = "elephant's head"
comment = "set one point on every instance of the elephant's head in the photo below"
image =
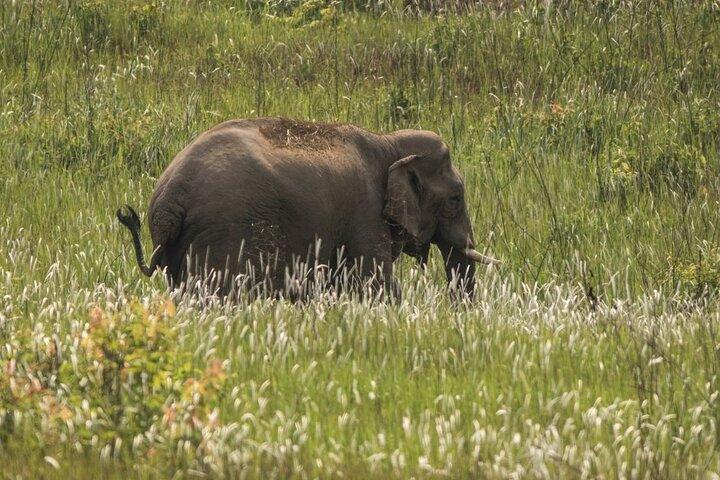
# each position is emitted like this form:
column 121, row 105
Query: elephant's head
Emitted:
column 426, row 199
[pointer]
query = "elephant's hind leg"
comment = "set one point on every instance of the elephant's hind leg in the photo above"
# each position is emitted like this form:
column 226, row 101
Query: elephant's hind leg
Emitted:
column 213, row 260
column 237, row 257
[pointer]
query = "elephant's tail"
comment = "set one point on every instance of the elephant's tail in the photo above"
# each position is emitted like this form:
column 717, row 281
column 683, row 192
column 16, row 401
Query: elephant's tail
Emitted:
column 132, row 222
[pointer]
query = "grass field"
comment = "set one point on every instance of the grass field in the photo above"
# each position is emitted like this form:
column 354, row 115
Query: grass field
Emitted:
column 589, row 138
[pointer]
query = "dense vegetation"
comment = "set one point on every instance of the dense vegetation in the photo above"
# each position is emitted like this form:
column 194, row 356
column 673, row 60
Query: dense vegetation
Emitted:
column 589, row 138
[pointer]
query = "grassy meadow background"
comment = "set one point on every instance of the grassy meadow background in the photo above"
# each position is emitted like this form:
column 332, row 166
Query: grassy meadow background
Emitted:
column 589, row 138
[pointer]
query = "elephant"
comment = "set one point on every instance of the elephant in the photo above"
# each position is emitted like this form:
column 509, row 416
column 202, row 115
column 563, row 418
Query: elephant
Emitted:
column 264, row 193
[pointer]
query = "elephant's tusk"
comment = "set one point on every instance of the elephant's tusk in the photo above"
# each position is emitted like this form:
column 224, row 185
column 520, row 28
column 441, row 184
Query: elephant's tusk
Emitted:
column 474, row 255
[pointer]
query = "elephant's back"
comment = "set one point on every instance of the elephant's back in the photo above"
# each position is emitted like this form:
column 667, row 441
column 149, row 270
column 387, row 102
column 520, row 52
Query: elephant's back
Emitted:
column 245, row 147
column 242, row 170
column 258, row 156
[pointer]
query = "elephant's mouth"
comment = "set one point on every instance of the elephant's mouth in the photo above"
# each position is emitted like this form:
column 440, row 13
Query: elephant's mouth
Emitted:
column 419, row 249
column 468, row 249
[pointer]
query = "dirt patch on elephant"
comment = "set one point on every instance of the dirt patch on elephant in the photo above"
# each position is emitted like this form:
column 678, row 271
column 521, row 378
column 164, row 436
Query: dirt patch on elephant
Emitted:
column 267, row 241
column 288, row 133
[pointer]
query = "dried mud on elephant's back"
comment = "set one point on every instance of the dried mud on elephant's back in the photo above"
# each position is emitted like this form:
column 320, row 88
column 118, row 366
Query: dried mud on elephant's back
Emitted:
column 288, row 133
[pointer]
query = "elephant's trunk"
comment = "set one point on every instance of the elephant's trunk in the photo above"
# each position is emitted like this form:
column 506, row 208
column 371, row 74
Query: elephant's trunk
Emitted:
column 420, row 252
column 459, row 268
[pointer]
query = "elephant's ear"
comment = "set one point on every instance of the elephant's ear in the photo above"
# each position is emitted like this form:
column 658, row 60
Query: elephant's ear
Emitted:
column 403, row 195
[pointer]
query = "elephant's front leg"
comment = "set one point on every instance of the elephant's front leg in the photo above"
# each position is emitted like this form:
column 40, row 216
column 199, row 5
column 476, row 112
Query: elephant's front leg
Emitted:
column 376, row 275
column 370, row 256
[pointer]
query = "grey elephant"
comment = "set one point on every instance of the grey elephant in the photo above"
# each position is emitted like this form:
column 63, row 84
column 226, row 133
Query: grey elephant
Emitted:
column 263, row 193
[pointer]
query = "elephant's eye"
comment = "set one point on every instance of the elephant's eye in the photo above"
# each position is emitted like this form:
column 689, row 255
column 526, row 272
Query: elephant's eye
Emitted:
column 454, row 203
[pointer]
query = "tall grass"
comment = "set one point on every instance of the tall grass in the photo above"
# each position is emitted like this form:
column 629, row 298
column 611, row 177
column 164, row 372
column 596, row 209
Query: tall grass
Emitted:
column 582, row 130
column 589, row 140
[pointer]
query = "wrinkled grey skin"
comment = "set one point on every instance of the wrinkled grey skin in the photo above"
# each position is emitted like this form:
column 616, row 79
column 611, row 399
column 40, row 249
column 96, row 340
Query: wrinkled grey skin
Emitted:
column 248, row 189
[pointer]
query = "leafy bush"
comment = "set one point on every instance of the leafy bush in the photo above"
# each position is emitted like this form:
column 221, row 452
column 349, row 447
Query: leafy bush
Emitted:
column 145, row 16
column 290, row 7
column 113, row 379
column 656, row 160
column 680, row 166
column 102, row 27
column 309, row 13
column 700, row 277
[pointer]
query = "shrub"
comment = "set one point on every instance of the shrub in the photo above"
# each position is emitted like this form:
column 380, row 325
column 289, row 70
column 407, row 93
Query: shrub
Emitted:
column 309, row 13
column 699, row 277
column 145, row 16
column 682, row 167
column 116, row 377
